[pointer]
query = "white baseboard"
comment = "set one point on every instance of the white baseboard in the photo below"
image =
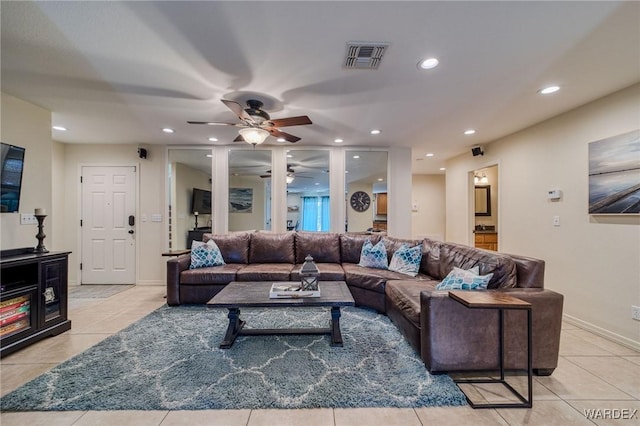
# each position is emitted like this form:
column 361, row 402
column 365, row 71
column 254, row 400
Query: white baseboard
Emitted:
column 621, row 340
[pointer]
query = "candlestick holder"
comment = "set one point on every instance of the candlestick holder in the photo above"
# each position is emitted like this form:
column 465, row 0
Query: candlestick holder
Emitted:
column 41, row 235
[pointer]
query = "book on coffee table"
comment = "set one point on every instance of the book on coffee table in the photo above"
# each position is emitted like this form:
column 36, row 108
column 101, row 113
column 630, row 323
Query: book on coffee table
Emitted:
column 290, row 290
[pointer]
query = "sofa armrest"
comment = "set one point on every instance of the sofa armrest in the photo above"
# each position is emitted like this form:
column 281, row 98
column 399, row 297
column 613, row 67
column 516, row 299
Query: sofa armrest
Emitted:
column 456, row 338
column 174, row 267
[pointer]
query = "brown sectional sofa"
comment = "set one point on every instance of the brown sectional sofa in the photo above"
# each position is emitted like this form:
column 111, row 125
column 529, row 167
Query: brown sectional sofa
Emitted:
column 448, row 336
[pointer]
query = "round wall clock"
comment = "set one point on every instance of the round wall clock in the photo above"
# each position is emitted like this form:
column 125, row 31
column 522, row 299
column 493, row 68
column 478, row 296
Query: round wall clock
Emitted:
column 360, row 201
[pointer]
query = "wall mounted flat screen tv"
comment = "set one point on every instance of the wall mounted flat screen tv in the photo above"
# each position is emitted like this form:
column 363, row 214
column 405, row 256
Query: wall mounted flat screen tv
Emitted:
column 201, row 201
column 11, row 166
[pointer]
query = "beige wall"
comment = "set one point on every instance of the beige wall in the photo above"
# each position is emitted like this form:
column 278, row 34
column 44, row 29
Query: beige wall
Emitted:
column 29, row 126
column 151, row 239
column 255, row 219
column 185, row 179
column 428, row 195
column 592, row 260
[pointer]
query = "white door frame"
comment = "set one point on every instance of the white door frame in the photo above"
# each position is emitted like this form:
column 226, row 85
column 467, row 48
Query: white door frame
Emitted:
column 79, row 213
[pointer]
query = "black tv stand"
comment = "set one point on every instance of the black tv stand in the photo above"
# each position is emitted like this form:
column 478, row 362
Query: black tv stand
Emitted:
column 33, row 297
column 197, row 234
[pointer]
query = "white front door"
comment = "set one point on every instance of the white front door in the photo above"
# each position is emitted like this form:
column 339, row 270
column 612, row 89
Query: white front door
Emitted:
column 108, row 225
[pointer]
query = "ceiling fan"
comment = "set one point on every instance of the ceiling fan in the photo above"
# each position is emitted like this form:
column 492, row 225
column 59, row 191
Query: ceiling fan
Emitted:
column 291, row 174
column 256, row 125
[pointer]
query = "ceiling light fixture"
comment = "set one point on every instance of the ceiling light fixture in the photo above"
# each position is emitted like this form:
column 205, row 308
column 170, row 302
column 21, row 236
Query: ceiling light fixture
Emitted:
column 469, row 132
column 290, row 178
column 253, row 135
column 481, row 180
column 442, row 169
column 213, row 139
column 61, row 128
column 209, row 156
column 338, row 140
column 281, row 140
column 380, row 179
column 375, row 132
column 549, row 90
column 356, row 156
column 429, row 154
column 428, row 63
column 168, row 130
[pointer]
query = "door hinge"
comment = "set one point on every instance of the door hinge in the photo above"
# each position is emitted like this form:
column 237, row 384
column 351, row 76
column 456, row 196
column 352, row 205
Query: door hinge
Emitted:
column 80, row 179
column 80, row 222
column 81, row 266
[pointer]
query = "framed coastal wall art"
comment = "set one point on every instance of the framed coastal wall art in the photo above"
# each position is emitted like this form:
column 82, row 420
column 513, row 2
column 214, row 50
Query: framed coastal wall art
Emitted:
column 614, row 174
column 240, row 200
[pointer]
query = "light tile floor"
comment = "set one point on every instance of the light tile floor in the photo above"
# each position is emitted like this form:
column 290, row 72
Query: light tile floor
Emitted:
column 593, row 374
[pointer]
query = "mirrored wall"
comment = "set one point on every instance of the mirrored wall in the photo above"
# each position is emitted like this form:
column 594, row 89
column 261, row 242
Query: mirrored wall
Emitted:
column 249, row 190
column 308, row 199
column 366, row 191
column 189, row 198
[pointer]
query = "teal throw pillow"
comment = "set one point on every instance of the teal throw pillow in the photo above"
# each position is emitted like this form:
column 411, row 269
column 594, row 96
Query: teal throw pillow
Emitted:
column 460, row 279
column 373, row 256
column 406, row 260
column 205, row 254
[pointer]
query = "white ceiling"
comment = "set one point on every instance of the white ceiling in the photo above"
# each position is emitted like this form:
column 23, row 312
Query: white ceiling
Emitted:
column 117, row 72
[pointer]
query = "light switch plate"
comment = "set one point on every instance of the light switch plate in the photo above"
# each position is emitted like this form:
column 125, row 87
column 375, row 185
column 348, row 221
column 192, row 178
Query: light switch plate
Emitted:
column 28, row 219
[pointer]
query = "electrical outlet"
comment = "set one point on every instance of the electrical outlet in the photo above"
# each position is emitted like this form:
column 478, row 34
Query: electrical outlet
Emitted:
column 28, row 219
column 556, row 221
column 635, row 312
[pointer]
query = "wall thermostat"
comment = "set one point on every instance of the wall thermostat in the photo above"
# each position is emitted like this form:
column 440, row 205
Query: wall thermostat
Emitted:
column 554, row 194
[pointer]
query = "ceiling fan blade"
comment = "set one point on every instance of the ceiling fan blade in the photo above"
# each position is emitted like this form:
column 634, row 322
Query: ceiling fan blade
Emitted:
column 286, row 136
column 239, row 138
column 238, row 110
column 265, row 176
column 291, row 121
column 211, row 123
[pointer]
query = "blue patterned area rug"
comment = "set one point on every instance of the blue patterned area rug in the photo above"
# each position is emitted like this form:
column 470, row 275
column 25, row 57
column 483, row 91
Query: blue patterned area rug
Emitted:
column 170, row 360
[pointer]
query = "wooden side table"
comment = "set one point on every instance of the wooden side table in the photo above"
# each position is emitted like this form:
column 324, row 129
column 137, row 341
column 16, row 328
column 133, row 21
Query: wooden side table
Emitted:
column 496, row 300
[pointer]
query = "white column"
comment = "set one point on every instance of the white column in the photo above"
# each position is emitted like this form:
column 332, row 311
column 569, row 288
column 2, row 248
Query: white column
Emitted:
column 337, row 186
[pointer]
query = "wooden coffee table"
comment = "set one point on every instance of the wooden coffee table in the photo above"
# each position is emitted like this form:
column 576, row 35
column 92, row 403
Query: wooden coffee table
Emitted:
column 236, row 295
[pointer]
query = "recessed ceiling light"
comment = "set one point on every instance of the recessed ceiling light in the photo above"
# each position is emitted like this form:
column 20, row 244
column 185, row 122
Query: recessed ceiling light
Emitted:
column 213, row 139
column 375, row 132
column 380, row 179
column 442, row 169
column 209, row 156
column 317, row 183
column 289, row 156
column 429, row 154
column 346, row 171
column 549, row 90
column 356, row 156
column 168, row 130
column 281, row 140
column 428, row 63
column 338, row 140
column 469, row 132
column 61, row 128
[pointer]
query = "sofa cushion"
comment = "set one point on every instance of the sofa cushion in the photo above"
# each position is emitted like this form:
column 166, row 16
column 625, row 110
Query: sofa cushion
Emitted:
column 465, row 257
column 234, row 246
column 393, row 244
column 372, row 279
column 265, row 272
column 328, row 272
column 406, row 260
column 430, row 263
column 351, row 246
column 212, row 275
column 267, row 247
column 373, row 256
column 405, row 295
column 460, row 279
column 205, row 254
column 322, row 246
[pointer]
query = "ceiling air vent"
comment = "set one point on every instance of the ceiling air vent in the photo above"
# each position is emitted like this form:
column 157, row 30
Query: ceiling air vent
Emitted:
column 363, row 55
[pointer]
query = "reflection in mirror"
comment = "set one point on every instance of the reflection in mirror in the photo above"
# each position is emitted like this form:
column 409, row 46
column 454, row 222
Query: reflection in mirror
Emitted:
column 249, row 190
column 308, row 191
column 366, row 189
column 189, row 172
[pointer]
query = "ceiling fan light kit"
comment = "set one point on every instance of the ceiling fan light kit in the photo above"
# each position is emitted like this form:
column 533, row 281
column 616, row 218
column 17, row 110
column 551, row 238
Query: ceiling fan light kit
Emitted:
column 253, row 135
